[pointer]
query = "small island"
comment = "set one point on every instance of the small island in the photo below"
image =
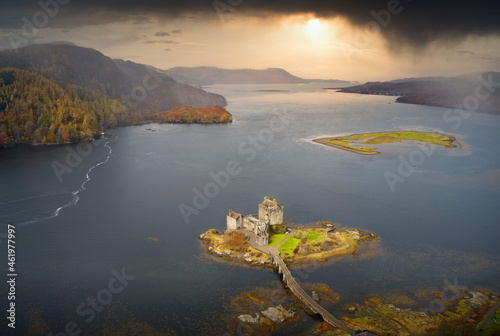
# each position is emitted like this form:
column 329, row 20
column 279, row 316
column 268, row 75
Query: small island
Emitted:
column 356, row 143
column 267, row 230
column 193, row 114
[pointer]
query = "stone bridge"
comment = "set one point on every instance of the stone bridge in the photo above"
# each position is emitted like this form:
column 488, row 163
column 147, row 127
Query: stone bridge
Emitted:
column 290, row 282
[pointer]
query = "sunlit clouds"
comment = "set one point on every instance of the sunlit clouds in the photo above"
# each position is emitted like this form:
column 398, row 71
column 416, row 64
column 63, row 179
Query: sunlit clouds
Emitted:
column 304, row 44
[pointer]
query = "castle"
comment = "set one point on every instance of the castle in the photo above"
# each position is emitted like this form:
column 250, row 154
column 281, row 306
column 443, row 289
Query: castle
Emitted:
column 270, row 213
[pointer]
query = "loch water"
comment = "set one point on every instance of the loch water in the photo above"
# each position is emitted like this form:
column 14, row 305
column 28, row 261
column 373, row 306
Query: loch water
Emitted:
column 85, row 213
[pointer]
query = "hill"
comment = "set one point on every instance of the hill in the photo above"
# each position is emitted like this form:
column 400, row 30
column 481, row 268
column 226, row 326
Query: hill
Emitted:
column 478, row 92
column 143, row 89
column 213, row 75
column 35, row 110
column 166, row 92
column 51, row 94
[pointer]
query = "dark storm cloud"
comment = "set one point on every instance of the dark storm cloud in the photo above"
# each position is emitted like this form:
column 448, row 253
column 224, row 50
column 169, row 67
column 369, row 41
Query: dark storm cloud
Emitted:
column 142, row 19
column 408, row 22
column 162, row 34
column 476, row 55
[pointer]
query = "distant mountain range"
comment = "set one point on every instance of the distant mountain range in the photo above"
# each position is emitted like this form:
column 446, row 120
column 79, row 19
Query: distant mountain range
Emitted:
column 478, row 92
column 64, row 93
column 213, row 75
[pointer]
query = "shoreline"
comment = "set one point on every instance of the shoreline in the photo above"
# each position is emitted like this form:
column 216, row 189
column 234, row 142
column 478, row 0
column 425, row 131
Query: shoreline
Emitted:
column 400, row 101
column 349, row 240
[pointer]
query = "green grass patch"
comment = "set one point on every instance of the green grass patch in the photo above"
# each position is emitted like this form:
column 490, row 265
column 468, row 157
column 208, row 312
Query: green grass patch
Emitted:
column 315, row 236
column 275, row 239
column 289, row 245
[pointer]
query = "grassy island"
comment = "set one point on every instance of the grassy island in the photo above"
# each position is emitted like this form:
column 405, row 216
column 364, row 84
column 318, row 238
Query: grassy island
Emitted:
column 363, row 143
column 194, row 114
column 300, row 245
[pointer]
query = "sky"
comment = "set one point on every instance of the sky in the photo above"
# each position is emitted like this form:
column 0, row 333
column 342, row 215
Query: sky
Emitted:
column 361, row 40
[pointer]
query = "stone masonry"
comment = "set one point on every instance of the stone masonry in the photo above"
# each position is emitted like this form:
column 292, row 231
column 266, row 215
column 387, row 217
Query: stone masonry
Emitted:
column 270, row 213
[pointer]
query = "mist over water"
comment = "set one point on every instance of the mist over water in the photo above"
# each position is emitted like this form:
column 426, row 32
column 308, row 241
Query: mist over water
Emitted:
column 440, row 223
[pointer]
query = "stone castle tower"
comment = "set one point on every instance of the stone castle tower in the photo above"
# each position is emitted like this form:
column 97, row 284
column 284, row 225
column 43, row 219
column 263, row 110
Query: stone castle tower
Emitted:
column 270, row 213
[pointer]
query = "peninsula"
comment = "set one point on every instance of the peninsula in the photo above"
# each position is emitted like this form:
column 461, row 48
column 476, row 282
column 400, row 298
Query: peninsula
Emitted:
column 448, row 92
column 357, row 143
column 193, row 114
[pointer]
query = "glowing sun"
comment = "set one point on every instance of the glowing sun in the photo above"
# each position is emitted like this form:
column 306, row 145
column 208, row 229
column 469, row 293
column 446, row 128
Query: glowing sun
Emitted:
column 314, row 27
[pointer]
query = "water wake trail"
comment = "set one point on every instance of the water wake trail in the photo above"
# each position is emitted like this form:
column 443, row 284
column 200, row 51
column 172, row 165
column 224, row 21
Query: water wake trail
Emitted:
column 75, row 193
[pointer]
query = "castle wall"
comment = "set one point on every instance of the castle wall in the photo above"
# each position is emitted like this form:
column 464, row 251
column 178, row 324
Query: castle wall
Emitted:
column 277, row 217
column 250, row 222
column 232, row 224
column 262, row 240
column 262, row 237
column 270, row 213
column 234, row 221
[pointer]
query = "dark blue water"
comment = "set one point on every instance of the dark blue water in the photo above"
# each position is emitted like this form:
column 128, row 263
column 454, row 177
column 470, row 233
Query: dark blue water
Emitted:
column 440, row 223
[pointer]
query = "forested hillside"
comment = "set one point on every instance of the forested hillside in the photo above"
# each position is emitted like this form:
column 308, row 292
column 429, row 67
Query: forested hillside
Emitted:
column 143, row 89
column 51, row 94
column 193, row 114
column 35, row 110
